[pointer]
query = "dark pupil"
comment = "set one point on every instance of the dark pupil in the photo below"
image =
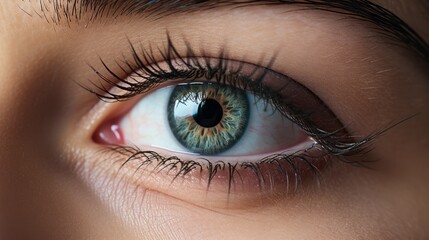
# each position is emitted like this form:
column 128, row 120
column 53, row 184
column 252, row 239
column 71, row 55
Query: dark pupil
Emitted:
column 209, row 113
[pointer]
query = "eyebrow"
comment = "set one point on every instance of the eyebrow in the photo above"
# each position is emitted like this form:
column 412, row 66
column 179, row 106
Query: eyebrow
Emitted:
column 387, row 24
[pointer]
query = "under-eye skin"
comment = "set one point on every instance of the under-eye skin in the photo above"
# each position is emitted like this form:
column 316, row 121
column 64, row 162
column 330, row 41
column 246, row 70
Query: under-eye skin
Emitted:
column 206, row 153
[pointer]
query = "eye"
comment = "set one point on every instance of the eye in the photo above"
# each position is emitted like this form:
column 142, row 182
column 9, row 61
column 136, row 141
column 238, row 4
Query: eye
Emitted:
column 223, row 126
column 208, row 119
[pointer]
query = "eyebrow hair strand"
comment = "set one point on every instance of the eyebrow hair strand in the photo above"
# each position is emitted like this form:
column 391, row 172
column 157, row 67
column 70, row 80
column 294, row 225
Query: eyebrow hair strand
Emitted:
column 388, row 24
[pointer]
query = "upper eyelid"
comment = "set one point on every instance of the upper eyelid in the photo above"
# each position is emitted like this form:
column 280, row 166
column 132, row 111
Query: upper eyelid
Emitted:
column 336, row 147
column 388, row 25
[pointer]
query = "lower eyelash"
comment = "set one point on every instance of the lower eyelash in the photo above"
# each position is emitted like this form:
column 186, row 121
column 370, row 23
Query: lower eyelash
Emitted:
column 286, row 169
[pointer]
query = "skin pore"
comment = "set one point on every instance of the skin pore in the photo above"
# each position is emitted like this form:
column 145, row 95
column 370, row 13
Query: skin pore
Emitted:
column 56, row 182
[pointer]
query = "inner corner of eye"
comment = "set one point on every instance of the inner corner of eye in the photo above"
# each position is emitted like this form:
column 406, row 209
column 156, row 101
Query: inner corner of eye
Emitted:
column 109, row 133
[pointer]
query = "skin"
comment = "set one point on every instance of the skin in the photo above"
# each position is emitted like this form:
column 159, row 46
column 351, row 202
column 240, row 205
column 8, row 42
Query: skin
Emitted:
column 55, row 183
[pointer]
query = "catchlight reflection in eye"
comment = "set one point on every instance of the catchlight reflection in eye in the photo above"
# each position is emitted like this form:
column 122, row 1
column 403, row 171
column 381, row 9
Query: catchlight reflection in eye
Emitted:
column 208, row 119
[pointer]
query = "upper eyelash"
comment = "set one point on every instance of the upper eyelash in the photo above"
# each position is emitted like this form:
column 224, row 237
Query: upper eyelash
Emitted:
column 147, row 68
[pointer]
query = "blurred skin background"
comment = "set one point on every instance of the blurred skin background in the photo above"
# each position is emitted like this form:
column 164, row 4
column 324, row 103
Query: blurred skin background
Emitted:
column 58, row 181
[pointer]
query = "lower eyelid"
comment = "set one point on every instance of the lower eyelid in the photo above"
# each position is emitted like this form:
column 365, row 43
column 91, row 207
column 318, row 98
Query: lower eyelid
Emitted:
column 303, row 146
column 224, row 185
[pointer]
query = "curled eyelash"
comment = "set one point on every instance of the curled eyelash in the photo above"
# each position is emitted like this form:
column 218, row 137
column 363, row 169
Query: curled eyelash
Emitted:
column 146, row 73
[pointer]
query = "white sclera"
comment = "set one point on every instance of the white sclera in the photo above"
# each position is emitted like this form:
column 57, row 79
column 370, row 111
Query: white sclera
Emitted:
column 146, row 125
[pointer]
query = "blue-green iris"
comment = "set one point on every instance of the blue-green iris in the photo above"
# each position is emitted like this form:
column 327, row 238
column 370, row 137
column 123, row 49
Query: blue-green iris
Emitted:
column 208, row 118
